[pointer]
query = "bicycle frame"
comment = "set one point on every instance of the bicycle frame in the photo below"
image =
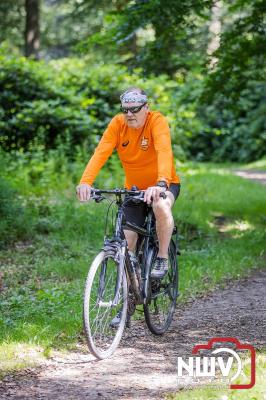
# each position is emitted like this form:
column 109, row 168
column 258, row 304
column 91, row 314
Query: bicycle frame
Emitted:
column 147, row 239
column 117, row 247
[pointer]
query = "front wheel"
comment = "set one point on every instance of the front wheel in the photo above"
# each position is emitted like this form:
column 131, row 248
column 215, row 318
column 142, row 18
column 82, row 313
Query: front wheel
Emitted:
column 160, row 306
column 99, row 310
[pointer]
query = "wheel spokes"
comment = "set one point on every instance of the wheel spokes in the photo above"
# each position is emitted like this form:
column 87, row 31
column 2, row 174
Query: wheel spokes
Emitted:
column 162, row 299
column 101, row 310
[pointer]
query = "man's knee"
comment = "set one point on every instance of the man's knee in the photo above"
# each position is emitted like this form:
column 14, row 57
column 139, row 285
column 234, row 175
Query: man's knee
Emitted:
column 162, row 208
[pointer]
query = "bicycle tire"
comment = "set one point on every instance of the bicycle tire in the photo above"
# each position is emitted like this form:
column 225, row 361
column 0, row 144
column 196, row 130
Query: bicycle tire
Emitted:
column 102, row 338
column 160, row 306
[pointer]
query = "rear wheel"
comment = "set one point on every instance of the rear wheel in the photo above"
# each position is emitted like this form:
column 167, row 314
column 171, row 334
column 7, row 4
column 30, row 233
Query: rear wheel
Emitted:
column 159, row 309
column 98, row 310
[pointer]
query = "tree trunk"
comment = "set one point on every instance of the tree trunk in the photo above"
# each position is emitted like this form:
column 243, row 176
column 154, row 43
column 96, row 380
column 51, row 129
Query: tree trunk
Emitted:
column 32, row 35
column 215, row 28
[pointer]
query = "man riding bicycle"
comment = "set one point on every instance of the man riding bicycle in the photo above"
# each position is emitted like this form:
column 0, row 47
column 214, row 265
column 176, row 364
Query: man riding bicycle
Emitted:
column 143, row 143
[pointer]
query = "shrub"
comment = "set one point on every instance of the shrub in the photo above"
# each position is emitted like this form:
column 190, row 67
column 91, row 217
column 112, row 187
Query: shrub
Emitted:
column 68, row 101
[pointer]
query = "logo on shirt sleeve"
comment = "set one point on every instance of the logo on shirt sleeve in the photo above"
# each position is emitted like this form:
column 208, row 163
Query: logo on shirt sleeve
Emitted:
column 144, row 144
column 125, row 143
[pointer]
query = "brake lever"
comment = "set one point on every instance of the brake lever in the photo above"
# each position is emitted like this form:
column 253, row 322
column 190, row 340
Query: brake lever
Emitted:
column 98, row 199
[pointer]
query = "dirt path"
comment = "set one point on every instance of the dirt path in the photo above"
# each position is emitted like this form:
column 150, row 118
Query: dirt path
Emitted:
column 144, row 366
column 257, row 176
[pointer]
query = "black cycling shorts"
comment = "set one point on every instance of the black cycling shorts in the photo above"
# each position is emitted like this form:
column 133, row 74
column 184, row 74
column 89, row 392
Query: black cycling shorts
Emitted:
column 135, row 213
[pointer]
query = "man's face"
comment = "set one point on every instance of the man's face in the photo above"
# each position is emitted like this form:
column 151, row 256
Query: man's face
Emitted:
column 135, row 120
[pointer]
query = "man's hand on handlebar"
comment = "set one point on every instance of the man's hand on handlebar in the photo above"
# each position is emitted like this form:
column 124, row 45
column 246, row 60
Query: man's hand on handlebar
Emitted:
column 152, row 194
column 86, row 192
column 83, row 192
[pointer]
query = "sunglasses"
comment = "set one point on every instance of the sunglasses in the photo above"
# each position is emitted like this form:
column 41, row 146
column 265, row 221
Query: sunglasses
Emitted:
column 133, row 110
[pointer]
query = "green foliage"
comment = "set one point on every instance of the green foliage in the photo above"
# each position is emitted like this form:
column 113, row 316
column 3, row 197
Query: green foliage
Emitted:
column 84, row 17
column 33, row 107
column 15, row 218
column 136, row 35
column 69, row 103
column 214, row 101
column 174, row 43
column 12, row 18
column 240, row 54
column 236, row 135
column 233, row 93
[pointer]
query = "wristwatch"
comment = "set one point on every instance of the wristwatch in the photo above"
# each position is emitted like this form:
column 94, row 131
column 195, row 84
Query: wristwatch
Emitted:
column 162, row 184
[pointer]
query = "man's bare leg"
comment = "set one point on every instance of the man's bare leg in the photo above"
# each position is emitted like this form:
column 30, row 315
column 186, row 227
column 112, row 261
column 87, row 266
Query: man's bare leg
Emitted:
column 131, row 238
column 164, row 223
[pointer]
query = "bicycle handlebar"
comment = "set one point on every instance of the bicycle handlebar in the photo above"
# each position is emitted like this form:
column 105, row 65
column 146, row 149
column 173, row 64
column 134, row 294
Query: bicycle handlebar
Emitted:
column 96, row 194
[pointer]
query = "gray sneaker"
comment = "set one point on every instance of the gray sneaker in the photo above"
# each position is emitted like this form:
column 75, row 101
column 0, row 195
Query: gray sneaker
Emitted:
column 160, row 268
column 114, row 323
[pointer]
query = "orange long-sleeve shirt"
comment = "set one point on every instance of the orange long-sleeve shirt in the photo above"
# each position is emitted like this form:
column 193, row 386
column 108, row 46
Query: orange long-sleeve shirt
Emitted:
column 145, row 153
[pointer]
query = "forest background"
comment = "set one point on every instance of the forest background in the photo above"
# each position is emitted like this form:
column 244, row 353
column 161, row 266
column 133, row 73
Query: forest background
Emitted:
column 63, row 65
column 201, row 61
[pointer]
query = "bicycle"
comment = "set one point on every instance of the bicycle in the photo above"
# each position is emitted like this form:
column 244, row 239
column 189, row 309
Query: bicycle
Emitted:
column 116, row 283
